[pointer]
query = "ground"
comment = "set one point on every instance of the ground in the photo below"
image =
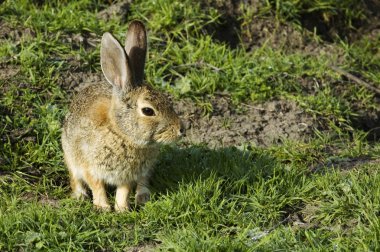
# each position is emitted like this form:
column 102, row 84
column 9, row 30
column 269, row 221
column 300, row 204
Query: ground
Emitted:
column 281, row 105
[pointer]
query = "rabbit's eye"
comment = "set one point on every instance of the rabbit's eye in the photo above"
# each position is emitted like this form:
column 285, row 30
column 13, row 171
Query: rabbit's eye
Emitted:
column 148, row 111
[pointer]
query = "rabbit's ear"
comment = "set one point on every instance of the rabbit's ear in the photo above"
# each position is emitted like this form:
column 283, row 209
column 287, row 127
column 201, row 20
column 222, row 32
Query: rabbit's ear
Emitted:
column 136, row 47
column 114, row 63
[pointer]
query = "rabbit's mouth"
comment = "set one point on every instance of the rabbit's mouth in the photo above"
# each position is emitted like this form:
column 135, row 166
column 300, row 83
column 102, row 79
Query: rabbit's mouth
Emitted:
column 166, row 137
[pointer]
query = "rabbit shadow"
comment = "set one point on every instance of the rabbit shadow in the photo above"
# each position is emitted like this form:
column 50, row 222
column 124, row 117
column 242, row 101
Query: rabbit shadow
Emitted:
column 184, row 166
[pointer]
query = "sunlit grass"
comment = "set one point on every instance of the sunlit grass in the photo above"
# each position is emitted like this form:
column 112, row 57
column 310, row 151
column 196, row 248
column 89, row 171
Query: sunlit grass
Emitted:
column 297, row 196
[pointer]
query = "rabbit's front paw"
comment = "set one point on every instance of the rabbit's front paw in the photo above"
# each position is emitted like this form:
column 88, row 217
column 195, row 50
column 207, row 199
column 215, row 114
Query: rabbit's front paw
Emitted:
column 103, row 207
column 121, row 209
column 79, row 194
column 101, row 203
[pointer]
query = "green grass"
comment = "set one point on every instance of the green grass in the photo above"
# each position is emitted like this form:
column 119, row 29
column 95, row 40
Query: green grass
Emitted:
column 228, row 199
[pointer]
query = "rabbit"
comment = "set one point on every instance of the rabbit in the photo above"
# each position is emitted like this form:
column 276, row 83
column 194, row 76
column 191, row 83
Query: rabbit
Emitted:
column 113, row 130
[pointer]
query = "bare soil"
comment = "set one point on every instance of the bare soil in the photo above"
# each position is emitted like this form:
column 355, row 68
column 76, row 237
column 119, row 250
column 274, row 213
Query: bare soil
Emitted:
column 265, row 124
column 9, row 33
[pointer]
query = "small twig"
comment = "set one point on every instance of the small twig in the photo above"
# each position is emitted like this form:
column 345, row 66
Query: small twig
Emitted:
column 216, row 69
column 344, row 163
column 200, row 64
column 278, row 224
column 264, row 233
column 250, row 106
column 356, row 79
column 256, row 108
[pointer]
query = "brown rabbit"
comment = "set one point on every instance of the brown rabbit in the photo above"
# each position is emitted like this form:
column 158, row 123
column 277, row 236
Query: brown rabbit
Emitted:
column 112, row 132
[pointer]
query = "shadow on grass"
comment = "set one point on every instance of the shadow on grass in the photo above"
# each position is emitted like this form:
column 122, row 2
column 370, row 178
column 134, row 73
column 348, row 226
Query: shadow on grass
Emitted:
column 186, row 165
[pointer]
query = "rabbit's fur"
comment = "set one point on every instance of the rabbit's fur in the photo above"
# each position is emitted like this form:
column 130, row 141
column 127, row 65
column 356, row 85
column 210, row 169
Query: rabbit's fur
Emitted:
column 112, row 131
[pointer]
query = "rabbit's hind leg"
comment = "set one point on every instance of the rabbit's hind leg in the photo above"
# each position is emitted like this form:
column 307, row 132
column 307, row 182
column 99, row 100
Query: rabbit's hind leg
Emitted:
column 79, row 190
column 142, row 191
column 78, row 187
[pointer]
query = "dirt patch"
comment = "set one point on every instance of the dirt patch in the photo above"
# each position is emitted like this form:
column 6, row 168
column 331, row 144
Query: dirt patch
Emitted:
column 228, row 28
column 75, row 81
column 255, row 22
column 85, row 39
column 369, row 121
column 42, row 199
column 262, row 30
column 268, row 32
column 266, row 124
column 146, row 247
column 8, row 71
column 118, row 9
column 345, row 164
column 47, row 200
column 334, row 24
column 7, row 32
column 371, row 31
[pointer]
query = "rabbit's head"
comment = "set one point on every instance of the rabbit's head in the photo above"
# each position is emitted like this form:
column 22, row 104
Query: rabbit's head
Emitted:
column 144, row 115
